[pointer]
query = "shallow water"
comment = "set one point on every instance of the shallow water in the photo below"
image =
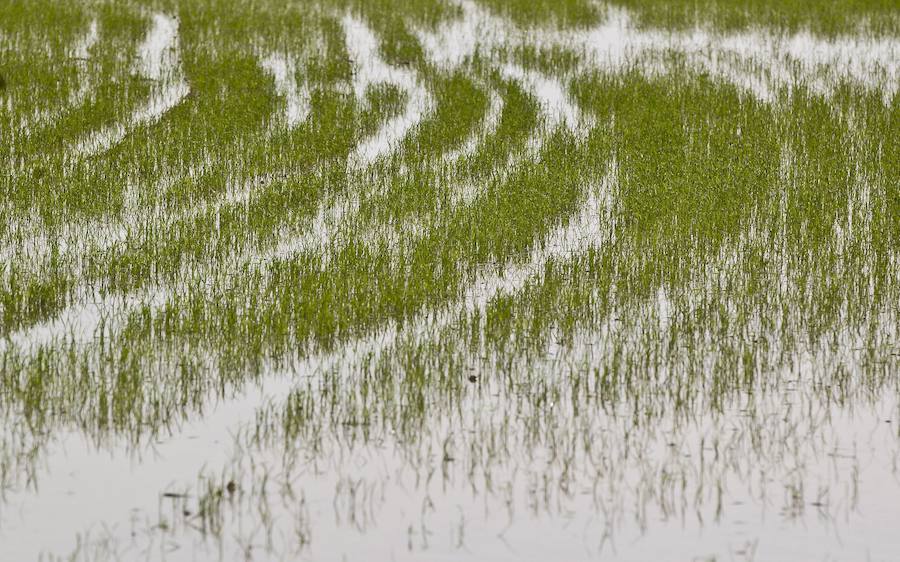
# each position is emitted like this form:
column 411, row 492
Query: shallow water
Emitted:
column 545, row 400
column 158, row 61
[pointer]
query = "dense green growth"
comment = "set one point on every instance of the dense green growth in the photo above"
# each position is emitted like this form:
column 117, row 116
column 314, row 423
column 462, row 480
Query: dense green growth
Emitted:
column 724, row 251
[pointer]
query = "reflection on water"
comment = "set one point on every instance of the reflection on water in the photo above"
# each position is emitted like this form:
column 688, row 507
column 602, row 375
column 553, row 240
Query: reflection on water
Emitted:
column 623, row 386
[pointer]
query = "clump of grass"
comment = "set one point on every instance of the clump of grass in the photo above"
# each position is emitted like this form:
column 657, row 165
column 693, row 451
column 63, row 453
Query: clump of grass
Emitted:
column 871, row 16
column 564, row 13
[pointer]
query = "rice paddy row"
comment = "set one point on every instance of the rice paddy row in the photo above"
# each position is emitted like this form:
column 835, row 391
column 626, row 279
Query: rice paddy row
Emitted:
column 448, row 278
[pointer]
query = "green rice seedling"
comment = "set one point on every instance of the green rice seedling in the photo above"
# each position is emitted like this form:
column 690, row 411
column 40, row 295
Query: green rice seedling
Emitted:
column 443, row 279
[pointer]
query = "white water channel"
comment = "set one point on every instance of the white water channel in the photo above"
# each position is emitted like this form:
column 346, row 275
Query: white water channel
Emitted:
column 158, row 61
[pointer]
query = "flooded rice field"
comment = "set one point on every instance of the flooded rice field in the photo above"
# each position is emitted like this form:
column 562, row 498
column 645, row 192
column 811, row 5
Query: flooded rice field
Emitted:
column 449, row 280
